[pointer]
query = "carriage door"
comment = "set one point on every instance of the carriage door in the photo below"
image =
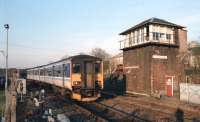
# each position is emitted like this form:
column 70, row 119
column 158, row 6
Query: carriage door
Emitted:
column 88, row 69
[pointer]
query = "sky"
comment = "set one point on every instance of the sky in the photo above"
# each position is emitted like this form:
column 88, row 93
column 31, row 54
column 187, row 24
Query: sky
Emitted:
column 43, row 31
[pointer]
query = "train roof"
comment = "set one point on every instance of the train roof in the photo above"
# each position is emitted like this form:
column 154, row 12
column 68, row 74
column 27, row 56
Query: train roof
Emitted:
column 65, row 59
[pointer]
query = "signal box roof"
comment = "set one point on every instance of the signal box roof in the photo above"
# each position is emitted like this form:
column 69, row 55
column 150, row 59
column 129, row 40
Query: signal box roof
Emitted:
column 152, row 21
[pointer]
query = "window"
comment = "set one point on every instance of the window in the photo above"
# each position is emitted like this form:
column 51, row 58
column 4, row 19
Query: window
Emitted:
column 97, row 67
column 162, row 35
column 155, row 36
column 68, row 70
column 58, row 71
column 133, row 37
column 147, row 31
column 168, row 36
column 76, row 68
column 138, row 36
column 130, row 39
column 42, row 72
column 45, row 72
column 130, row 42
column 36, row 72
column 50, row 71
column 142, row 35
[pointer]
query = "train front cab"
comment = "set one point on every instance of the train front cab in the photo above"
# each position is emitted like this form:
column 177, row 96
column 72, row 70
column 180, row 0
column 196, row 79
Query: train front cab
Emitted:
column 87, row 78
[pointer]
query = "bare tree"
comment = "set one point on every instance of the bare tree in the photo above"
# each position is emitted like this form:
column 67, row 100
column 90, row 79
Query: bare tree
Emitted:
column 191, row 61
column 100, row 53
column 196, row 57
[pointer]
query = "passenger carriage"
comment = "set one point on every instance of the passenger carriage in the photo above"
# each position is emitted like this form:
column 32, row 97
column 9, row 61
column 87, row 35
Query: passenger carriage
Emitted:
column 80, row 75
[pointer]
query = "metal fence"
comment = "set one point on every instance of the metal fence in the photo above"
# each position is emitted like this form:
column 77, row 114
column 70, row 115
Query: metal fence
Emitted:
column 190, row 92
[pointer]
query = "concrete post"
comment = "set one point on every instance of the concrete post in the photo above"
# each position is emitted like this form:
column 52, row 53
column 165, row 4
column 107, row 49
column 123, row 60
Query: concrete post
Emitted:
column 10, row 111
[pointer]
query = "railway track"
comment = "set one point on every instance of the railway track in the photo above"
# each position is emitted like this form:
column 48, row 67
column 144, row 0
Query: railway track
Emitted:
column 99, row 112
column 164, row 113
column 111, row 114
column 92, row 116
column 93, row 111
column 61, row 105
column 103, row 113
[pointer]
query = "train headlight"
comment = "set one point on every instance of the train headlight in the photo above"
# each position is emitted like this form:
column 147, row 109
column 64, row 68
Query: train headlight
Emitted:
column 76, row 83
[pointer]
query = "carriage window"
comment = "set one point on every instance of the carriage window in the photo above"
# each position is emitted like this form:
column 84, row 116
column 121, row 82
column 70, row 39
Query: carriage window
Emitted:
column 58, row 71
column 45, row 72
column 76, row 68
column 42, row 72
column 97, row 67
column 50, row 72
column 35, row 72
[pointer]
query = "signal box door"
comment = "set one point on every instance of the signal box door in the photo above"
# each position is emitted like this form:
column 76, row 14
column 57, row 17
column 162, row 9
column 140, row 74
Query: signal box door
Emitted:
column 88, row 73
column 169, row 85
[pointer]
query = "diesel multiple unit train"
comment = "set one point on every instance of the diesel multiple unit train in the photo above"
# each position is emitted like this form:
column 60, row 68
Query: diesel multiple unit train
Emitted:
column 81, row 76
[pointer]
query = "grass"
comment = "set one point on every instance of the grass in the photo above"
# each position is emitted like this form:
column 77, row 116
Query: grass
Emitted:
column 2, row 101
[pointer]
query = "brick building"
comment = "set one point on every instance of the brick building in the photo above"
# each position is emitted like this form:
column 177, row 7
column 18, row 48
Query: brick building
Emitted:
column 150, row 51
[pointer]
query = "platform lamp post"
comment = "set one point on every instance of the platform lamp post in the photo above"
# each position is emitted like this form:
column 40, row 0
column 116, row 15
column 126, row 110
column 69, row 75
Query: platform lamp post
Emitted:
column 7, row 28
